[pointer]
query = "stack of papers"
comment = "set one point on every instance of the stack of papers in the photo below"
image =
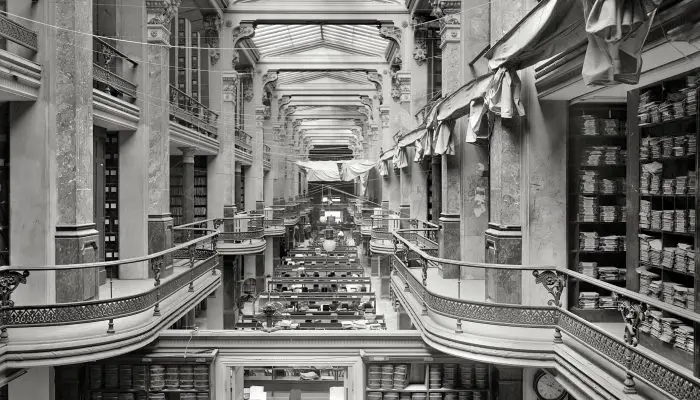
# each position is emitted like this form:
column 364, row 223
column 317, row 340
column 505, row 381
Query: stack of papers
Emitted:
column 668, row 186
column 644, row 214
column 685, row 338
column 588, row 182
column 588, row 300
column 588, row 268
column 588, row 209
column 588, row 241
column 611, row 273
column 612, row 243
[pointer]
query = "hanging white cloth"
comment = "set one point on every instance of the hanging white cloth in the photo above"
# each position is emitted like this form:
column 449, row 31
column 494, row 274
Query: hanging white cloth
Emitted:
column 444, row 142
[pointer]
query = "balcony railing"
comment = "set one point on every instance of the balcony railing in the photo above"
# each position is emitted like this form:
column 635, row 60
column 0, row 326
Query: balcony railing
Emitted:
column 102, row 70
column 273, row 223
column 198, row 256
column 17, row 33
column 243, row 228
column 267, row 157
column 452, row 298
column 187, row 111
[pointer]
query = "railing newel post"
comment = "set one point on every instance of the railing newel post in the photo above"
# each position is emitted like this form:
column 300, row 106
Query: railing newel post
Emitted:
column 633, row 315
column 555, row 283
column 156, row 267
column 191, row 250
column 9, row 281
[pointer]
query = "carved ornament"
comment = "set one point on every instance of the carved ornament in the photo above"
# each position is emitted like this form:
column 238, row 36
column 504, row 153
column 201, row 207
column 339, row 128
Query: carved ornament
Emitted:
column 420, row 52
column 212, row 27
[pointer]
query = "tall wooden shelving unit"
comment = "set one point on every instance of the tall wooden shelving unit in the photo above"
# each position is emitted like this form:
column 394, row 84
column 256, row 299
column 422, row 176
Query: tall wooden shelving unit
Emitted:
column 200, row 188
column 667, row 144
column 597, row 137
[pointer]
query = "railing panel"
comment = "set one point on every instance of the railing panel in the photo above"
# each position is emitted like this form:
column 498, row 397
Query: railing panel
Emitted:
column 189, row 112
column 17, row 33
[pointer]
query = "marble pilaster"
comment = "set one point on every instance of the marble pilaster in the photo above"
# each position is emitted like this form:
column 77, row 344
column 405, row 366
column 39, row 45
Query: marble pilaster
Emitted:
column 504, row 236
column 451, row 199
column 160, row 14
column 221, row 169
column 76, row 238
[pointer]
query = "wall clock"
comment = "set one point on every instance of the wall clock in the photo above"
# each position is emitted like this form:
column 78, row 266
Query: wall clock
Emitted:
column 546, row 387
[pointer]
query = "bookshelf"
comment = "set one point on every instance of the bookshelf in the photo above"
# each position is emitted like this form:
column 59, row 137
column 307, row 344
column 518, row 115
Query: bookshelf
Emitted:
column 663, row 205
column 597, row 152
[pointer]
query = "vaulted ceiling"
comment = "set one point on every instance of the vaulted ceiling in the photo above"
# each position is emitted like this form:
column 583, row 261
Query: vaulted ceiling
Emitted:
column 278, row 40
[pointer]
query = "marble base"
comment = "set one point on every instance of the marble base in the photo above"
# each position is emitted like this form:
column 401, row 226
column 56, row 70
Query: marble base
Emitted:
column 449, row 239
column 405, row 214
column 503, row 247
column 160, row 237
column 77, row 245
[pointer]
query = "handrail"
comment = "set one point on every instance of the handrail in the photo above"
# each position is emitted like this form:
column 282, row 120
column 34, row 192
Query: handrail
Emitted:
column 646, row 365
column 564, row 271
column 18, row 33
column 112, row 307
column 206, row 119
column 114, row 263
column 111, row 50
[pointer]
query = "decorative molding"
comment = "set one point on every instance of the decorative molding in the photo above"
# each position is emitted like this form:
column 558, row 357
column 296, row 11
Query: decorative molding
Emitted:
column 247, row 86
column 269, row 83
column 260, row 116
column 282, row 103
column 384, row 116
column 401, row 87
column 447, row 11
column 243, row 31
column 159, row 14
column 230, row 82
column 392, row 33
column 378, row 81
column 420, row 51
column 212, row 29
column 367, row 102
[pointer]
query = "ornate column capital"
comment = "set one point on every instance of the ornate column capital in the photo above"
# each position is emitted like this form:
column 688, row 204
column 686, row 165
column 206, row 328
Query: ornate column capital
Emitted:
column 393, row 52
column 401, row 87
column 384, row 116
column 269, row 83
column 449, row 14
column 378, row 80
column 212, row 29
column 159, row 14
column 245, row 30
column 230, row 82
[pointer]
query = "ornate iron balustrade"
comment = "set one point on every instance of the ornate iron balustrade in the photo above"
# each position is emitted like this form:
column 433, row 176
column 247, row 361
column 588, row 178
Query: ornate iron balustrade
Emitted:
column 102, row 75
column 250, row 235
column 382, row 234
column 243, row 142
column 17, row 33
column 202, row 249
column 273, row 223
column 187, row 111
column 267, row 156
column 636, row 364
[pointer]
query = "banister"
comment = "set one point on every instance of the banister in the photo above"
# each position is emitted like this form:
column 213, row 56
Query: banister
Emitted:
column 682, row 312
column 114, row 50
column 18, row 33
column 113, row 263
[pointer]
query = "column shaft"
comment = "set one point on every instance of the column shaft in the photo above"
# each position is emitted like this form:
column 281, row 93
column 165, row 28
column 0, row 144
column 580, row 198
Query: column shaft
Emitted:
column 187, row 185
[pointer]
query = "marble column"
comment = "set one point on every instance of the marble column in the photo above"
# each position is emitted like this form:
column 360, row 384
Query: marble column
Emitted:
column 160, row 223
column 215, row 309
column 405, row 190
column 269, row 256
column 436, row 178
column 76, row 238
column 417, row 187
column 221, row 168
column 384, row 275
column 187, row 184
column 504, row 235
column 451, row 179
column 475, row 164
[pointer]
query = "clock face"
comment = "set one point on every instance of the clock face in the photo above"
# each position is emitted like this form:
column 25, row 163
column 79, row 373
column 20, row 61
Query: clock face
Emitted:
column 548, row 388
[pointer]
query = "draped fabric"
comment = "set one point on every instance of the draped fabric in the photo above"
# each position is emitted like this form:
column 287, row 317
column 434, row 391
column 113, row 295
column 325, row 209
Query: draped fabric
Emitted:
column 324, row 171
column 400, row 158
column 383, row 167
column 549, row 29
column 444, row 142
column 617, row 30
column 477, row 110
column 356, row 168
column 424, row 147
column 503, row 94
